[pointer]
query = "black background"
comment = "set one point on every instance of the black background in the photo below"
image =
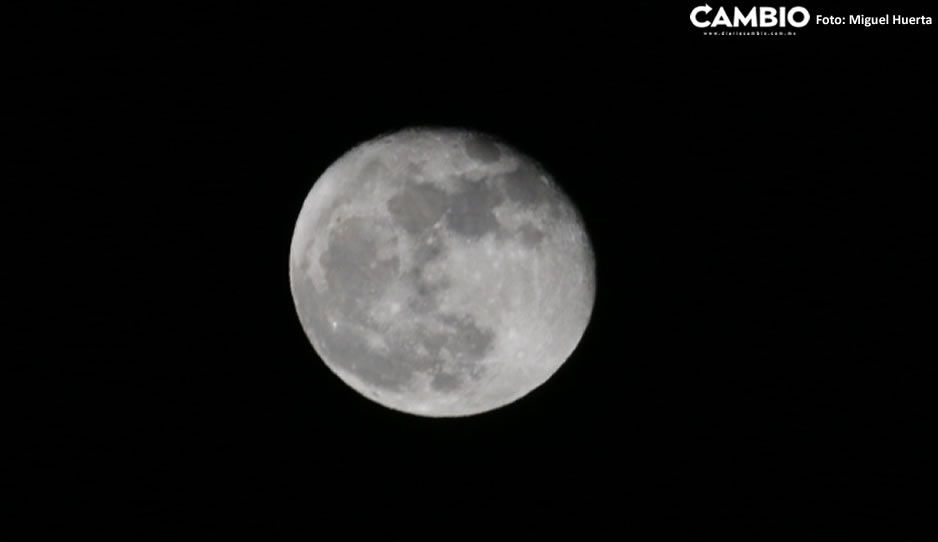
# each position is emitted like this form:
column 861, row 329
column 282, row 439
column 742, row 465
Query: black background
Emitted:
column 759, row 208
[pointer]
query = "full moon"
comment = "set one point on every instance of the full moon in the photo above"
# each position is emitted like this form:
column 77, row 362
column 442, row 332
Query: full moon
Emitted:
column 441, row 272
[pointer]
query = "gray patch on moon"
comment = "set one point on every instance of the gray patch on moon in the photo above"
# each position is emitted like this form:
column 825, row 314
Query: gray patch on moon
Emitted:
column 446, row 381
column 471, row 211
column 429, row 248
column 530, row 235
column 385, row 370
column 352, row 265
column 459, row 349
column 425, row 290
column 425, row 299
column 524, row 186
column 481, row 147
column 467, row 340
column 373, row 171
column 417, row 206
column 455, row 350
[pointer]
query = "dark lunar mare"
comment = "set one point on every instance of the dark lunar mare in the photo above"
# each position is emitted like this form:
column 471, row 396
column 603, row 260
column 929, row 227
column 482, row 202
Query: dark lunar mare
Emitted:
column 357, row 277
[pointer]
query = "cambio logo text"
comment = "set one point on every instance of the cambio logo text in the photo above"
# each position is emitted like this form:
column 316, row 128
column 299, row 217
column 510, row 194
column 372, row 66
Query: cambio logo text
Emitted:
column 758, row 17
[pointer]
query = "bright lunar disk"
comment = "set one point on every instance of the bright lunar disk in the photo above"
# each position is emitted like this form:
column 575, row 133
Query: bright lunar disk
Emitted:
column 441, row 272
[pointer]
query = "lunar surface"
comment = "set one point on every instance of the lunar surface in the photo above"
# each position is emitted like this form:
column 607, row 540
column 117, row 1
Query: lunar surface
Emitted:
column 441, row 272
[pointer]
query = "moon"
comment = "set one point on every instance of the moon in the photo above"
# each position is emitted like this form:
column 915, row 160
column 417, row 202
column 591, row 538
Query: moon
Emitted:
column 441, row 272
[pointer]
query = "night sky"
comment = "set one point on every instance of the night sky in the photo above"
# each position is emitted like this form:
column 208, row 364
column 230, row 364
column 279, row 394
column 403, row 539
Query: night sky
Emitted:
column 759, row 209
